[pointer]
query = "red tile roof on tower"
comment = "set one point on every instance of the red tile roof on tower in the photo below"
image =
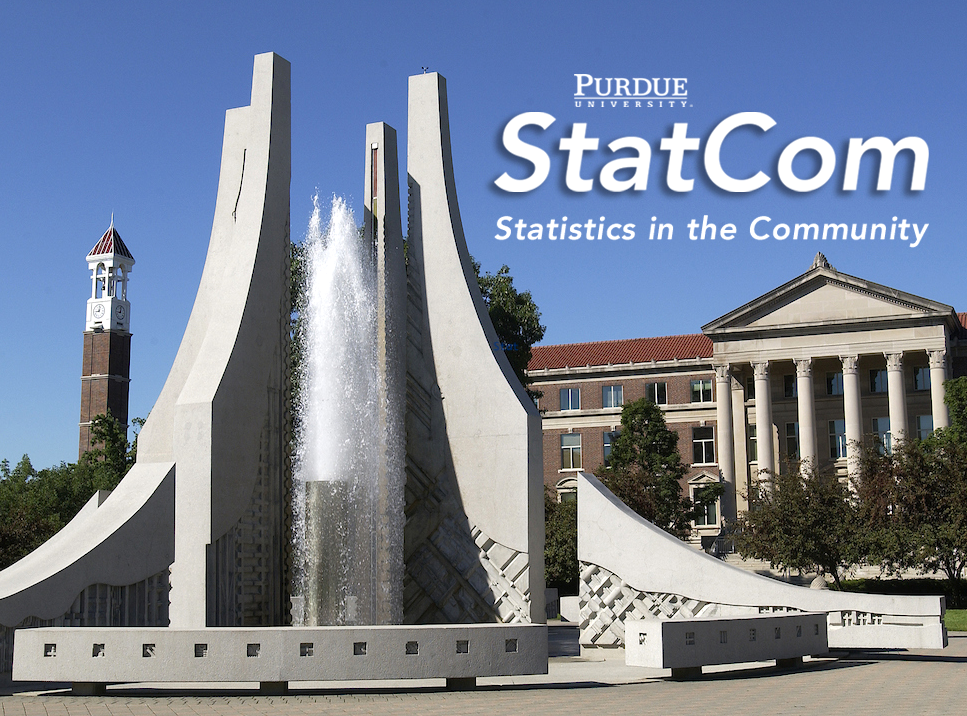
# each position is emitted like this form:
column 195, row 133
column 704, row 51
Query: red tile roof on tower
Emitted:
column 633, row 350
column 111, row 243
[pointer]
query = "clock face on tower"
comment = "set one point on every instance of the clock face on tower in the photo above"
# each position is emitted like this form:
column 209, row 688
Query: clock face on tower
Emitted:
column 119, row 312
column 98, row 310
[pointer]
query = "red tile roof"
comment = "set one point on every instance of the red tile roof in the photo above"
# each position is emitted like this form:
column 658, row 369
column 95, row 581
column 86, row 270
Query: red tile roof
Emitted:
column 111, row 243
column 633, row 350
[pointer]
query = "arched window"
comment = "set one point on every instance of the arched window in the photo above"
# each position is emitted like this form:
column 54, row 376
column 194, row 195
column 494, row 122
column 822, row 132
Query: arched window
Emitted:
column 100, row 281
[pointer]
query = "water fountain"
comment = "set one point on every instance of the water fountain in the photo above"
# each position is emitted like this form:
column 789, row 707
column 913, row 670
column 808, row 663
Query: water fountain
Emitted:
column 414, row 413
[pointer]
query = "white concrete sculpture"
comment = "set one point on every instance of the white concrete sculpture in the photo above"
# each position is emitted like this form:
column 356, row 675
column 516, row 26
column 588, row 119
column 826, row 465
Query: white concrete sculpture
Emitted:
column 208, row 497
column 630, row 569
column 474, row 544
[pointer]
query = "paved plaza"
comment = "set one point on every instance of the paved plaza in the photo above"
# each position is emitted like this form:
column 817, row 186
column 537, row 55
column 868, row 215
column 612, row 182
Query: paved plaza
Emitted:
column 896, row 682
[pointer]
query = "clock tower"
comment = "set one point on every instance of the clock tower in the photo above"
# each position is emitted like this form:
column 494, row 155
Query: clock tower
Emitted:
column 107, row 335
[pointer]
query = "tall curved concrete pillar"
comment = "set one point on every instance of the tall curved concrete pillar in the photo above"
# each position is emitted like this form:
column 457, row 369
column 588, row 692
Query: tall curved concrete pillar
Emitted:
column 207, row 494
column 938, row 374
column 807, row 412
column 384, row 231
column 484, row 430
column 853, row 411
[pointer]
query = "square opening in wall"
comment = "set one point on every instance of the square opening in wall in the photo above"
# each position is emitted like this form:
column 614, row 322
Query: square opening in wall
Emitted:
column 147, row 651
column 642, row 638
column 50, row 650
column 306, row 648
column 359, row 648
column 689, row 638
column 723, row 637
column 463, row 646
column 201, row 650
column 252, row 650
column 510, row 646
column 412, row 647
column 97, row 651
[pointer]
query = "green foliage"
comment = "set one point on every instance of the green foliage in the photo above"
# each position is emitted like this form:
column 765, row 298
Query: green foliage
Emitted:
column 560, row 544
column 645, row 470
column 515, row 316
column 914, row 504
column 800, row 520
column 955, row 396
column 35, row 505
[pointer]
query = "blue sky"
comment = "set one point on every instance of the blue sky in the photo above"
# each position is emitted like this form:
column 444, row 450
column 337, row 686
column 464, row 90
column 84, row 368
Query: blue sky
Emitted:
column 119, row 107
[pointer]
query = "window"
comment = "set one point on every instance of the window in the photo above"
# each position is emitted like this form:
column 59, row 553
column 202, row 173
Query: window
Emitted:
column 707, row 515
column 567, row 489
column 702, row 391
column 609, row 437
column 878, row 381
column 570, row 398
column 753, row 445
column 750, row 388
column 657, row 393
column 789, row 387
column 611, row 396
column 792, row 440
column 703, row 446
column 837, row 438
column 921, row 378
column 924, row 426
column 571, row 451
column 834, row 383
column 881, row 429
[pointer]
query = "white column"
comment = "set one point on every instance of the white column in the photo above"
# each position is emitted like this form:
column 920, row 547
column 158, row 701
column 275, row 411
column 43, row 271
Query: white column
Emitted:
column 807, row 412
column 740, row 442
column 897, row 396
column 723, row 427
column 763, row 417
column 853, row 413
column 938, row 374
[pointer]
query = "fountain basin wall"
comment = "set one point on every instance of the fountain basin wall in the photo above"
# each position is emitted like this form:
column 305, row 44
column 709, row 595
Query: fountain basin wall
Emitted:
column 280, row 653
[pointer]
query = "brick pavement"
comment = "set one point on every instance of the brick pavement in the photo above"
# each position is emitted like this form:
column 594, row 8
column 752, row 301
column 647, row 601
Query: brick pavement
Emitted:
column 855, row 684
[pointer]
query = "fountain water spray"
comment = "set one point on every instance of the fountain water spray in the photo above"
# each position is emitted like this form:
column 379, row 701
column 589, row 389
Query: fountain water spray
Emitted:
column 346, row 524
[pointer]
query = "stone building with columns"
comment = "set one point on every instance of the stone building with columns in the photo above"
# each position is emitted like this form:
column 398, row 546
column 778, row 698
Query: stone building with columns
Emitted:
column 805, row 372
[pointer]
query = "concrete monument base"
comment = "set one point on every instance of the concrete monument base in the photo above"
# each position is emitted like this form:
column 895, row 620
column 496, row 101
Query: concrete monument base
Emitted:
column 277, row 655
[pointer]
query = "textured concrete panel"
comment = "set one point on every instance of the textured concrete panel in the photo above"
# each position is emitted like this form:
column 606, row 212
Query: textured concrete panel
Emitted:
column 632, row 569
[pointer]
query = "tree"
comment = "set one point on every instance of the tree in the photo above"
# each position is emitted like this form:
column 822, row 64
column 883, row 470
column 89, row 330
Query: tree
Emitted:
column 645, row 470
column 515, row 316
column 560, row 543
column 801, row 520
column 914, row 499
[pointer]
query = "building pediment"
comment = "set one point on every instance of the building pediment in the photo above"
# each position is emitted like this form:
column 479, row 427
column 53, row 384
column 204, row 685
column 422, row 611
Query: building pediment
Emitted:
column 824, row 298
